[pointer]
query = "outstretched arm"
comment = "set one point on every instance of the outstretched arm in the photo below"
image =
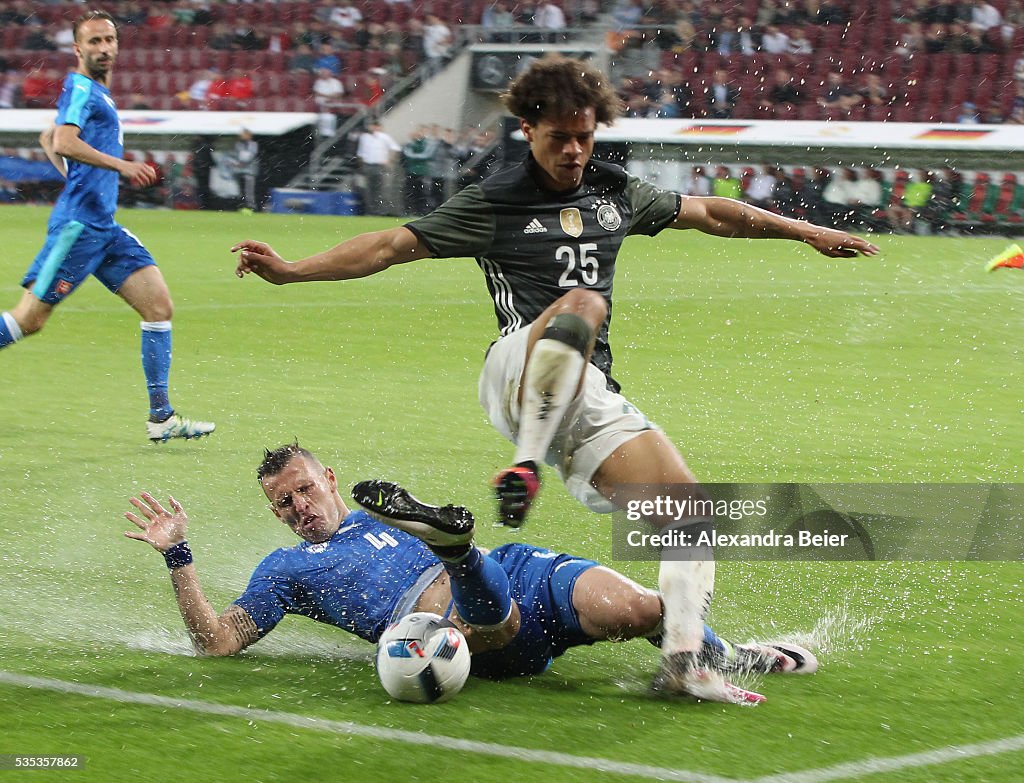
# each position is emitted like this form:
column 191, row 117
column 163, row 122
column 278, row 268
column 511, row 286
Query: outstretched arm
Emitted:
column 165, row 531
column 727, row 217
column 360, row 256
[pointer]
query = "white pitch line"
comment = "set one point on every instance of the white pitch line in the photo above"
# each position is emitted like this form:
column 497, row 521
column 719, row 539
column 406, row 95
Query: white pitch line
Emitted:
column 852, row 769
column 529, row 755
column 876, row 766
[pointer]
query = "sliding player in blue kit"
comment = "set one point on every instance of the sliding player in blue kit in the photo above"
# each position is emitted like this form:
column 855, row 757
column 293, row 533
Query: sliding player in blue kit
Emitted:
column 519, row 606
column 86, row 145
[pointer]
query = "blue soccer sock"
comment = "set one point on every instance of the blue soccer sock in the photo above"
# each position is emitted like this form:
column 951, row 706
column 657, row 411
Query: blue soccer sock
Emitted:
column 711, row 639
column 156, row 364
column 10, row 332
column 480, row 589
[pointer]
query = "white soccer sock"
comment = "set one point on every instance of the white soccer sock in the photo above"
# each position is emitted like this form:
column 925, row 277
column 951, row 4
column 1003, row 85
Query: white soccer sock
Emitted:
column 549, row 384
column 12, row 327
column 686, row 588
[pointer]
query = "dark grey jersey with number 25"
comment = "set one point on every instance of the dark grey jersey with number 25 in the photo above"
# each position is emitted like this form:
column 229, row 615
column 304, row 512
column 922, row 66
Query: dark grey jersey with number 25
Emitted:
column 534, row 246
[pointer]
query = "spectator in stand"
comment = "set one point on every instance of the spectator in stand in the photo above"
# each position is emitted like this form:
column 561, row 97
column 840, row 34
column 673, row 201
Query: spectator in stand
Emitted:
column 940, row 202
column 1013, row 19
column 302, row 60
column 35, row 89
column 444, row 166
column 327, row 90
column 784, row 196
column 372, row 88
column 812, row 196
column 875, row 96
column 765, row 14
column 867, row 199
column 898, row 215
column 774, row 40
column 961, row 37
column 783, row 97
column 278, row 40
column 477, row 157
column 919, row 11
column 837, row 96
column 222, row 37
column 376, row 153
column 789, row 12
column 825, row 12
column 627, row 15
column 416, row 156
column 65, row 40
column 672, row 81
column 698, row 183
column 722, row 96
column 245, row 160
column 199, row 90
column 836, row 197
column 968, row 114
column 911, row 40
column 918, row 193
column 935, row 38
column 759, row 187
column 551, row 18
column 240, row 91
column 725, row 185
column 947, row 12
column 327, row 58
column 345, row 14
column 218, row 93
column 984, row 16
column 10, row 90
column 994, row 113
column 497, row 20
column 799, row 42
column 1017, row 105
column 437, row 44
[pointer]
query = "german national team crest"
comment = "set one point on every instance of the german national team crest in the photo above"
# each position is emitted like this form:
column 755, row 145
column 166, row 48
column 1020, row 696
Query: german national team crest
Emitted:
column 572, row 221
column 608, row 217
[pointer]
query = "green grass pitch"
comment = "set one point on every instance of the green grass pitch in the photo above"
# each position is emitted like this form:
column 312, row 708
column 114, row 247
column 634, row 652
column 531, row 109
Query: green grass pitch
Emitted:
column 763, row 361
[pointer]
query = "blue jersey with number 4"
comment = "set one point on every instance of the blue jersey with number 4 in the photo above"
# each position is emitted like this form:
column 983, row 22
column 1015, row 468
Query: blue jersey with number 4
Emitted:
column 90, row 194
column 353, row 581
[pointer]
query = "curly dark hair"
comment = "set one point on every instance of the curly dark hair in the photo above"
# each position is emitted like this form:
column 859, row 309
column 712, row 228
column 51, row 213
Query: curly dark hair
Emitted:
column 274, row 461
column 90, row 16
column 555, row 85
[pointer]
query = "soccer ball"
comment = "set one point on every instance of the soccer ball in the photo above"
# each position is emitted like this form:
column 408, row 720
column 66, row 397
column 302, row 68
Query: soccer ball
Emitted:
column 422, row 658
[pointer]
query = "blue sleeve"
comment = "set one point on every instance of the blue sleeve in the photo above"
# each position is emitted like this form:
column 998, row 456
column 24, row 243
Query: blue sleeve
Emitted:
column 268, row 597
column 74, row 106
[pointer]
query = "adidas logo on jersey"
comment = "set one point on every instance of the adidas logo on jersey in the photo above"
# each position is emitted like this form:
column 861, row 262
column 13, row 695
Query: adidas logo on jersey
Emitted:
column 535, row 227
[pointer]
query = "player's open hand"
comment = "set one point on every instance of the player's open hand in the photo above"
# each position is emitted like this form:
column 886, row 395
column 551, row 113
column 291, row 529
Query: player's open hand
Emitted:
column 839, row 244
column 261, row 258
column 158, row 527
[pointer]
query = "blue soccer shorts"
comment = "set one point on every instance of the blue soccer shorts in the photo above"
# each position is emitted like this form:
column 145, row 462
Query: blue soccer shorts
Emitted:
column 73, row 251
column 541, row 583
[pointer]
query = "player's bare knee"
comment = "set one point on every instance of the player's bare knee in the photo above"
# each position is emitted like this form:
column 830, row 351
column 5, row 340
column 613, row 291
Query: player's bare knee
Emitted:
column 640, row 614
column 158, row 310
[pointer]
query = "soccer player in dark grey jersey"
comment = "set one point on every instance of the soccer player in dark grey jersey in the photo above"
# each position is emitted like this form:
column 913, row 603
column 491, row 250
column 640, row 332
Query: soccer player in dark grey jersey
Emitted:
column 546, row 233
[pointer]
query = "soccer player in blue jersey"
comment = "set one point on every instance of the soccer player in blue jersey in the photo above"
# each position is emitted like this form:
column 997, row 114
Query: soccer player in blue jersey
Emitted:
column 519, row 606
column 86, row 145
